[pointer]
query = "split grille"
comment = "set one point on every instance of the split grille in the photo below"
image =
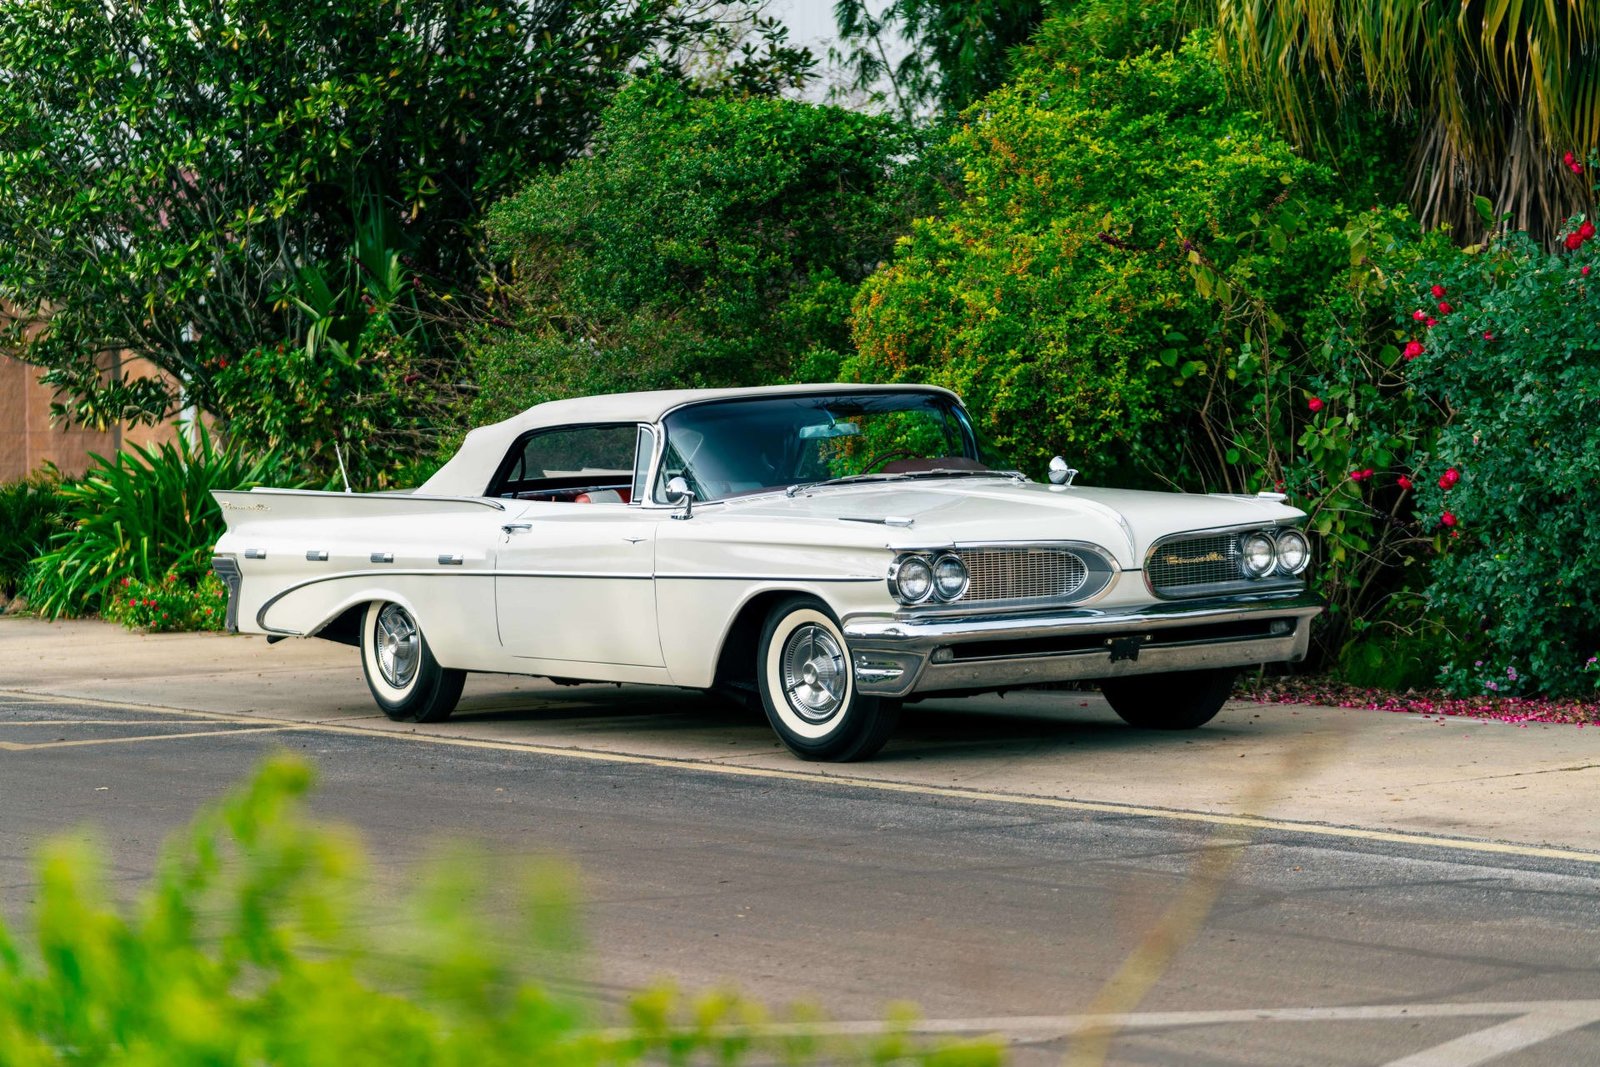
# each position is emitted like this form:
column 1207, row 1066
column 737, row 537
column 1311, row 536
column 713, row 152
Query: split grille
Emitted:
column 1023, row 573
column 1180, row 564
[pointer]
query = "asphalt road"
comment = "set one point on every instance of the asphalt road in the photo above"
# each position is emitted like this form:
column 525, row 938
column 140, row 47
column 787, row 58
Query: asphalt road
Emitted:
column 1213, row 942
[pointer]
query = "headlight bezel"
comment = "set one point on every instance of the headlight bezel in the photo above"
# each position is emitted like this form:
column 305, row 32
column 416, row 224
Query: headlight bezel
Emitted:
column 897, row 574
column 939, row 591
column 1262, row 540
column 1288, row 534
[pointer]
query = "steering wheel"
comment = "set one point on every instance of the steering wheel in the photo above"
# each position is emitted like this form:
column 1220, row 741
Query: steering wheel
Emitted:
column 888, row 455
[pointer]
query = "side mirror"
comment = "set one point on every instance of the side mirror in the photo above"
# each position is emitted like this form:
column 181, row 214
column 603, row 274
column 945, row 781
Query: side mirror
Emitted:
column 678, row 492
column 1060, row 473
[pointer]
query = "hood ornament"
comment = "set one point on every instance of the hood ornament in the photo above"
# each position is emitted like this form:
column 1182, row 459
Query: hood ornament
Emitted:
column 1060, row 473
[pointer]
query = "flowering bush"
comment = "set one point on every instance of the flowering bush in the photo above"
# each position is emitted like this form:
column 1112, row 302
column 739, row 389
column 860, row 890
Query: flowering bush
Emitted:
column 1506, row 494
column 168, row 605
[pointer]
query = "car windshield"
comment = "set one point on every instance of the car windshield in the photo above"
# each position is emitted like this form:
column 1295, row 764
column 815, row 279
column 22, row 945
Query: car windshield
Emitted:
column 730, row 448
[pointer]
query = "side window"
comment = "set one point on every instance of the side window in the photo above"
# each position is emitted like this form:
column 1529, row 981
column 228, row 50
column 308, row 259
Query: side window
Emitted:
column 572, row 464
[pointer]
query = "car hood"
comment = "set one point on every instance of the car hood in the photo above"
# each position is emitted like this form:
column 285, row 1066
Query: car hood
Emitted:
column 967, row 510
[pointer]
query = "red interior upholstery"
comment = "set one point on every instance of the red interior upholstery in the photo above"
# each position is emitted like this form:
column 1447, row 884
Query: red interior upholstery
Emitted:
column 622, row 496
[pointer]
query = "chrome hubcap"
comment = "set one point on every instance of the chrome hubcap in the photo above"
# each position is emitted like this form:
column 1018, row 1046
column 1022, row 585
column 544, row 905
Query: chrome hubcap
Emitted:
column 814, row 673
column 398, row 646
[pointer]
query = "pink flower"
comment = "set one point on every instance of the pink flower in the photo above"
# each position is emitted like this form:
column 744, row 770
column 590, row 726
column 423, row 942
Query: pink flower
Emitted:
column 1413, row 349
column 1315, row 403
column 1432, row 323
column 1487, row 336
column 1419, row 314
column 1438, row 292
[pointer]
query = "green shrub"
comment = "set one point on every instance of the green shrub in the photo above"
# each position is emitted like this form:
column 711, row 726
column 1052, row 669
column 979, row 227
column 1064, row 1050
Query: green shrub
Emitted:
column 1126, row 277
column 705, row 241
column 1505, row 494
column 245, row 949
column 171, row 604
column 31, row 511
column 142, row 514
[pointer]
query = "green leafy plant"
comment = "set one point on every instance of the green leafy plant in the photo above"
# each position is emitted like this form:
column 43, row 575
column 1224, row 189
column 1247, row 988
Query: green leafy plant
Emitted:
column 31, row 511
column 1509, row 344
column 244, row 949
column 169, row 167
column 141, row 514
column 1126, row 277
column 172, row 604
column 705, row 241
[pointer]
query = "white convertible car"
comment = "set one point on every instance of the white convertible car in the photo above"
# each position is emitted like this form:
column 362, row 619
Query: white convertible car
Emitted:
column 829, row 551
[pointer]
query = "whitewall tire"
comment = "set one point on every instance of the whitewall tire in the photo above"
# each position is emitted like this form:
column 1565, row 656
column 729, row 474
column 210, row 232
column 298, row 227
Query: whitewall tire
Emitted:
column 406, row 681
column 808, row 689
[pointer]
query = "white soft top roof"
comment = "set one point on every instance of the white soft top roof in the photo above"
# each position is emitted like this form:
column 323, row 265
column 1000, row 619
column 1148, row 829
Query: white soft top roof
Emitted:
column 469, row 470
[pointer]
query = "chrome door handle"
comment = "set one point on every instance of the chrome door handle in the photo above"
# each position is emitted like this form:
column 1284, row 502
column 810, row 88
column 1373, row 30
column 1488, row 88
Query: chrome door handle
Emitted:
column 512, row 527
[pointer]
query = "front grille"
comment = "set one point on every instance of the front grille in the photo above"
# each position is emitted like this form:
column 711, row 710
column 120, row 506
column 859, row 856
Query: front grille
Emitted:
column 1185, row 562
column 1023, row 573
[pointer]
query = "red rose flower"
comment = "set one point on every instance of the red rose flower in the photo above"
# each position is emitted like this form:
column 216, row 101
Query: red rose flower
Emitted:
column 1568, row 159
column 1367, row 474
column 1448, row 518
column 1403, row 482
column 1438, row 292
column 1315, row 403
column 1573, row 242
column 1432, row 323
column 1584, row 272
column 1449, row 478
column 1586, row 231
column 1444, row 308
column 1419, row 314
column 1413, row 349
column 1487, row 336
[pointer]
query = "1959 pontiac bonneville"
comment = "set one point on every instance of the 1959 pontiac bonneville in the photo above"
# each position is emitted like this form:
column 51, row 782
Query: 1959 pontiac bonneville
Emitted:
column 829, row 550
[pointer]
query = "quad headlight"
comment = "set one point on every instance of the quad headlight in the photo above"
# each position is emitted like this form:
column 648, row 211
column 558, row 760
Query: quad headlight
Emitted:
column 1284, row 552
column 949, row 577
column 1260, row 555
column 911, row 579
column 915, row 578
column 1294, row 551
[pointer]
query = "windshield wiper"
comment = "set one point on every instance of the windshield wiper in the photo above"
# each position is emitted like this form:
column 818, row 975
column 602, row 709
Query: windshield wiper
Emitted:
column 901, row 476
column 800, row 487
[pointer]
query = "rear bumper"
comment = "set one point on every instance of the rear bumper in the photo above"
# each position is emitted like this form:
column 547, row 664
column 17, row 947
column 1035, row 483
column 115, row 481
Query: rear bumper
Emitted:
column 898, row 657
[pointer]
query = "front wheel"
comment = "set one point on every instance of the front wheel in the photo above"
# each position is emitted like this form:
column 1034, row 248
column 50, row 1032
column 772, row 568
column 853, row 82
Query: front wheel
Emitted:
column 405, row 679
column 808, row 687
column 1181, row 700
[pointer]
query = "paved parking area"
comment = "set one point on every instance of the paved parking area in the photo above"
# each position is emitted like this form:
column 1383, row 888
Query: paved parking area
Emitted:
column 1250, row 894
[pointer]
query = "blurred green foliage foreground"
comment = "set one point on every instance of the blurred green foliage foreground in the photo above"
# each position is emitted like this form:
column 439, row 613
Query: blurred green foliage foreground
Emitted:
column 249, row 947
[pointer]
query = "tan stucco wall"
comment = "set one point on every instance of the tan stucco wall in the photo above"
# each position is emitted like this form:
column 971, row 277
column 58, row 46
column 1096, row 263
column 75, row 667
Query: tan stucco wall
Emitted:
column 28, row 440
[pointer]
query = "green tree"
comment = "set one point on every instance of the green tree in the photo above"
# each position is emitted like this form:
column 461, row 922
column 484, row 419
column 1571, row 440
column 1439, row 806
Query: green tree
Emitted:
column 954, row 51
column 1126, row 276
column 705, row 241
column 173, row 170
column 1493, row 94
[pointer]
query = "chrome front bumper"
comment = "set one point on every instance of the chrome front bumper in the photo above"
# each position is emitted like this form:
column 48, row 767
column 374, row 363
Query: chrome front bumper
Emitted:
column 900, row 656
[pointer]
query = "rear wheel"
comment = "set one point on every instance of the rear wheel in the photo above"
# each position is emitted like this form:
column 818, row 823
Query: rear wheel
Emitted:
column 405, row 679
column 808, row 688
column 1181, row 700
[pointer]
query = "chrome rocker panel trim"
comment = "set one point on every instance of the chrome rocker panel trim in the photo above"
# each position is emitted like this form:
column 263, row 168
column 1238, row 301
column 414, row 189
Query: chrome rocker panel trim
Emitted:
column 898, row 657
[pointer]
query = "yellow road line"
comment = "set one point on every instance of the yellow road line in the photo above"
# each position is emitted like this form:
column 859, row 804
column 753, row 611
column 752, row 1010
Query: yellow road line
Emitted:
column 14, row 746
column 732, row 770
